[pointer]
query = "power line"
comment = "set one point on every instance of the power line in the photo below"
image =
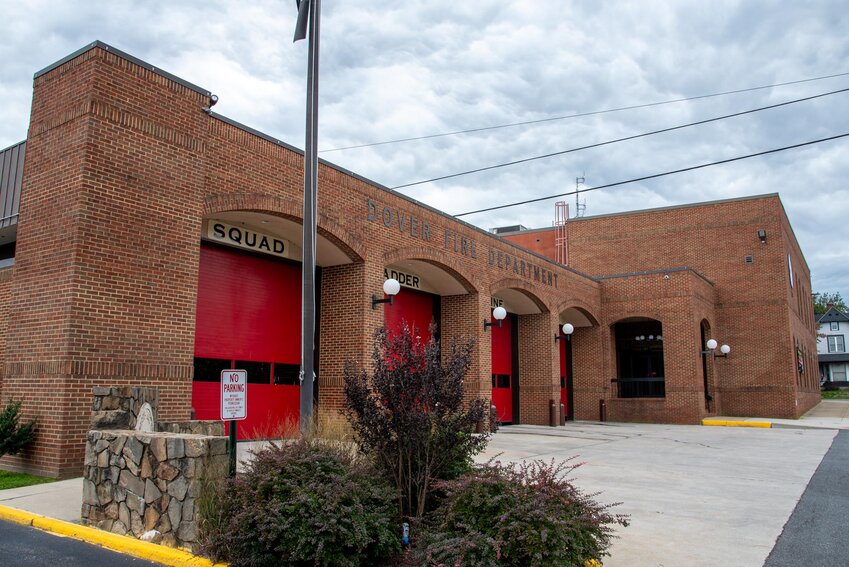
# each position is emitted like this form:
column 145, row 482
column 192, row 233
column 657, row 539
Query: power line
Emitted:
column 581, row 114
column 691, row 168
column 617, row 140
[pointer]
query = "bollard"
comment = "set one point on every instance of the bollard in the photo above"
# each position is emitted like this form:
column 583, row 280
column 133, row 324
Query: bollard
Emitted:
column 602, row 410
column 562, row 414
column 552, row 413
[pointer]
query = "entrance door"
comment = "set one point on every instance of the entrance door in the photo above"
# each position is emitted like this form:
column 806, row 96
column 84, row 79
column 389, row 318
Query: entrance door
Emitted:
column 566, row 384
column 248, row 317
column 502, row 370
column 416, row 308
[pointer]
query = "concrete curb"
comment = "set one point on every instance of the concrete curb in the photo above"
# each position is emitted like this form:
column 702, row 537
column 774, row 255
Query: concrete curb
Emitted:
column 735, row 423
column 115, row 542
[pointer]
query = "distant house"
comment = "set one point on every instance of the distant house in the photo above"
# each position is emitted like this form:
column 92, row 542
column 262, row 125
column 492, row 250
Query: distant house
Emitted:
column 832, row 331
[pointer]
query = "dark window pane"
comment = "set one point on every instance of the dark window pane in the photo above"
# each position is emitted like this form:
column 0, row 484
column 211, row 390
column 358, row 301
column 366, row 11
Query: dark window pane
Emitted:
column 562, row 381
column 209, row 369
column 258, row 372
column 503, row 380
column 493, row 380
column 287, row 374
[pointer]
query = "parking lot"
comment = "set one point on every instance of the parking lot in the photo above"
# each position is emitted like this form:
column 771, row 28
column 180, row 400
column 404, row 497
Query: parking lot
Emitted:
column 697, row 496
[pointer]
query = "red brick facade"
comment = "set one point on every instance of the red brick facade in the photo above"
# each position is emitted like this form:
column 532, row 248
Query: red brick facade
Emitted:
column 124, row 164
column 744, row 293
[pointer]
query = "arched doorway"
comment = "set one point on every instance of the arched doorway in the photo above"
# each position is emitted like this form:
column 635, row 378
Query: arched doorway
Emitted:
column 704, row 327
column 639, row 358
column 579, row 319
column 419, row 303
column 248, row 316
column 507, row 358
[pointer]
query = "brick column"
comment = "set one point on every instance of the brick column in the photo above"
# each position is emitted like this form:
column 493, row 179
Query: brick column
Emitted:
column 462, row 316
column 539, row 367
column 105, row 280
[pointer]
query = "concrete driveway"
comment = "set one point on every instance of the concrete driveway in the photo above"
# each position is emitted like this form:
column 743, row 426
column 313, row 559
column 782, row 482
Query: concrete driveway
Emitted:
column 697, row 496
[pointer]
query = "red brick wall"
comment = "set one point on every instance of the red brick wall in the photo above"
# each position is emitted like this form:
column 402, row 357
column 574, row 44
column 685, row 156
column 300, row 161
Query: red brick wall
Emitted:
column 122, row 166
column 5, row 286
column 756, row 311
column 680, row 300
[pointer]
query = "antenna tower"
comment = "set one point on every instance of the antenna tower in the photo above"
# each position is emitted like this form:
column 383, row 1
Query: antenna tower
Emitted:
column 580, row 208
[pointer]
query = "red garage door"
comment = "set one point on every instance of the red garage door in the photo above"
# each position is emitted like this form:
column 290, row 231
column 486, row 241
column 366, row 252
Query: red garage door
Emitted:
column 502, row 370
column 414, row 307
column 248, row 317
column 564, row 357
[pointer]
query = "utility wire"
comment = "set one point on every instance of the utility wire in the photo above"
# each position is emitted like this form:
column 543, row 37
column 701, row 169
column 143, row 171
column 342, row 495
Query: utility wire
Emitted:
column 580, row 114
column 656, row 175
column 617, row 140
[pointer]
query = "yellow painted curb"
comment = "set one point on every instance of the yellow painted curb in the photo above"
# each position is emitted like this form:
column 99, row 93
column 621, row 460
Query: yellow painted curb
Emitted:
column 115, row 542
column 732, row 423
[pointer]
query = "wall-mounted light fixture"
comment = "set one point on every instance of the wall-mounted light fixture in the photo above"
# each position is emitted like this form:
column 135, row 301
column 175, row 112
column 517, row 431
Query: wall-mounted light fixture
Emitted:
column 762, row 235
column 499, row 313
column 391, row 287
column 711, row 349
column 568, row 329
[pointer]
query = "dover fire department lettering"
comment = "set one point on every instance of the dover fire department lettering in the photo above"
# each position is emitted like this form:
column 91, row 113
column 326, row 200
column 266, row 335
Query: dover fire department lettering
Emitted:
column 396, row 218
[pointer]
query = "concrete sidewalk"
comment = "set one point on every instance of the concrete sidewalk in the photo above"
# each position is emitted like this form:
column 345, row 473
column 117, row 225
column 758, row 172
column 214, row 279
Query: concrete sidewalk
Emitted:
column 62, row 500
column 828, row 414
column 700, row 496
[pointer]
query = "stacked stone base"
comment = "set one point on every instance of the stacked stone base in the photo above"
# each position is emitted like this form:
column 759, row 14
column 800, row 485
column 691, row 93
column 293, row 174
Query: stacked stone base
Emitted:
column 136, row 482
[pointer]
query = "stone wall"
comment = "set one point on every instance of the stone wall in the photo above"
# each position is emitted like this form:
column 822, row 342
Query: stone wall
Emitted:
column 118, row 407
column 136, row 482
column 193, row 427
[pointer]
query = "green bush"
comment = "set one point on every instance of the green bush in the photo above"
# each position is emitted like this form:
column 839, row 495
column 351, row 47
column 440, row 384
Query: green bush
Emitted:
column 13, row 436
column 304, row 503
column 526, row 515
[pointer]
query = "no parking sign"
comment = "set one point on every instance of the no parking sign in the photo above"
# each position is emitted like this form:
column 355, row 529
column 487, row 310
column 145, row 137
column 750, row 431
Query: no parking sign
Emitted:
column 234, row 394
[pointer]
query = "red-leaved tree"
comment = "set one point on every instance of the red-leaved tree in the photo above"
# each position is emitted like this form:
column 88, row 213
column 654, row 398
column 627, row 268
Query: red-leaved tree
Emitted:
column 410, row 414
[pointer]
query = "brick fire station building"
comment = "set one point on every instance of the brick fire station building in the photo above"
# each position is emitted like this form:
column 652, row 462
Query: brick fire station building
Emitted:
column 146, row 240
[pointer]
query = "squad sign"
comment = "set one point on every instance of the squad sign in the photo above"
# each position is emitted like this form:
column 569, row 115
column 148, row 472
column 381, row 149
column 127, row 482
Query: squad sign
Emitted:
column 249, row 239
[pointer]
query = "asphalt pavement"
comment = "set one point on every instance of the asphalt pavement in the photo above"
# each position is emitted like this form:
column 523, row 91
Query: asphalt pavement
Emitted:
column 815, row 534
column 25, row 546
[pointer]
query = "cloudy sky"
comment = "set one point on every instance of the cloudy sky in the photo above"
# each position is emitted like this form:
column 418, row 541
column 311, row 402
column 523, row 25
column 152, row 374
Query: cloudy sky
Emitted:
column 392, row 70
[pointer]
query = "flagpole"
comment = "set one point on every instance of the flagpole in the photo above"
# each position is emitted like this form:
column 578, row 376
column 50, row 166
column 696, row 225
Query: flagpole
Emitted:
column 310, row 9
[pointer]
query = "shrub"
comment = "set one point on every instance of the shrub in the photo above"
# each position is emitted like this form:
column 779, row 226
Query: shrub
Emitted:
column 525, row 515
column 410, row 416
column 304, row 503
column 13, row 436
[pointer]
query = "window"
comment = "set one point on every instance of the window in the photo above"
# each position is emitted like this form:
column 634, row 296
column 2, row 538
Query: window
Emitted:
column 790, row 270
column 836, row 344
column 209, row 369
column 838, row 373
column 287, row 374
column 835, row 326
column 258, row 372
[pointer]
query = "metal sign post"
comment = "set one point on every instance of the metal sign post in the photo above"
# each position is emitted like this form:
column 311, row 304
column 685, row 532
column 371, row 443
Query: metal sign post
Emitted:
column 308, row 24
column 234, row 406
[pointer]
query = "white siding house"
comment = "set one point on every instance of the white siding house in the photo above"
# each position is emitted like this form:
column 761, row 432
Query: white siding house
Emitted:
column 832, row 343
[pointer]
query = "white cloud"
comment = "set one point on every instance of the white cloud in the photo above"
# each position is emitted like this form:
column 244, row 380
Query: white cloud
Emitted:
column 395, row 70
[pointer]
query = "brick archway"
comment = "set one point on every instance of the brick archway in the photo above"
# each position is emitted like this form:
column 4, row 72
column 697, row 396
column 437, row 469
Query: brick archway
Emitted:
column 288, row 209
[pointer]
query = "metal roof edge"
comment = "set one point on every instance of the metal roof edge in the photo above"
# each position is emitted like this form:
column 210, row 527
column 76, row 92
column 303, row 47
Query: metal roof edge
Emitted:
column 22, row 142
